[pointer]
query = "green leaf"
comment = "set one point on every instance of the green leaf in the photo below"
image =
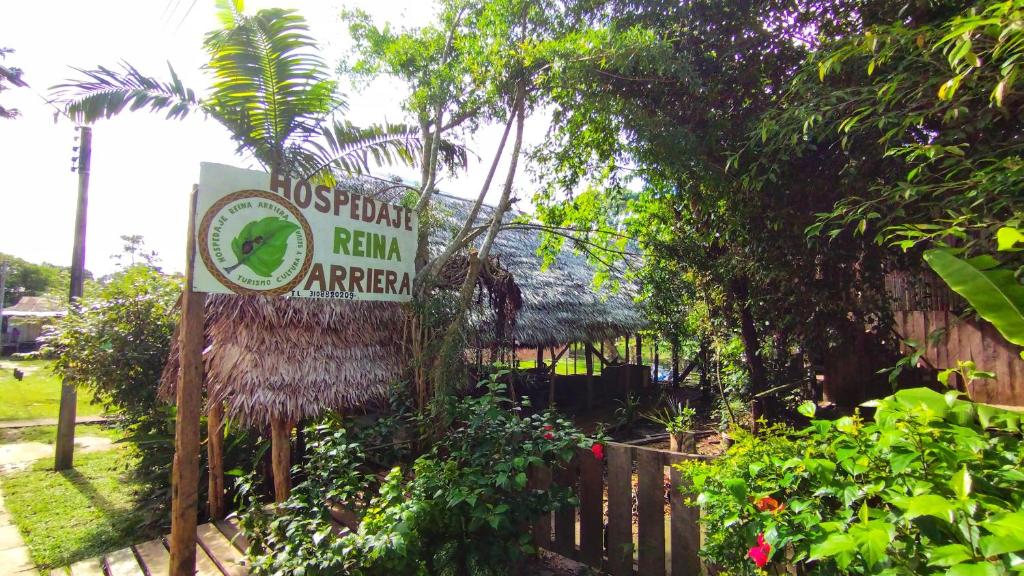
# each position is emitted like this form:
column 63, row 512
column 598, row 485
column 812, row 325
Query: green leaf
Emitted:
column 976, row 569
column 961, row 483
column 925, row 505
column 261, row 244
column 1008, row 238
column 738, row 488
column 996, row 545
column 995, row 294
column 839, row 546
column 948, row 555
column 1006, row 524
column 808, row 408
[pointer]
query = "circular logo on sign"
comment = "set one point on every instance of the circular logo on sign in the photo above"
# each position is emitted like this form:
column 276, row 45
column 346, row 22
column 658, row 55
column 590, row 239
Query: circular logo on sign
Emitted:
column 255, row 242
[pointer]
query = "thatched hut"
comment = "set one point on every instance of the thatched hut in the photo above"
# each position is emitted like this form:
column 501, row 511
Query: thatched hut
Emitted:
column 293, row 359
column 278, row 361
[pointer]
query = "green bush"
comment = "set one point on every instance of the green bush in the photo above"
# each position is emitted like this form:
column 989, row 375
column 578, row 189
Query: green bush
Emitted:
column 933, row 485
column 463, row 508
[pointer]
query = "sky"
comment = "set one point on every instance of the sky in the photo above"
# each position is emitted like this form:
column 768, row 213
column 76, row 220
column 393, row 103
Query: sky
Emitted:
column 143, row 166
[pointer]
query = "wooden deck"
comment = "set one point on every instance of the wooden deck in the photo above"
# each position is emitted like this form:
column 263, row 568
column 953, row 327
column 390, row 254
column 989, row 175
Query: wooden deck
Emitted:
column 219, row 552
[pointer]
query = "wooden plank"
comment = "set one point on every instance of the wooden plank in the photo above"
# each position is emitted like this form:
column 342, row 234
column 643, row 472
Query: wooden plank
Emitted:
column 91, row 567
column 204, row 565
column 154, row 557
column 280, row 457
column 684, row 529
column 540, row 479
column 620, row 510
column 123, row 563
column 565, row 517
column 185, row 469
column 229, row 528
column 591, row 509
column 215, row 458
column 650, row 512
column 223, row 554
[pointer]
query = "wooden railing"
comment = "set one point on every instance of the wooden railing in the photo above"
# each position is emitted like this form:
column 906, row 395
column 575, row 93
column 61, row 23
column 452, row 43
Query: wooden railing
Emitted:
column 600, row 531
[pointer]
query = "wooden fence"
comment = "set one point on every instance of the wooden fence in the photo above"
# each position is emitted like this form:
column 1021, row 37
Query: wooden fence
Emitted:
column 925, row 311
column 600, row 531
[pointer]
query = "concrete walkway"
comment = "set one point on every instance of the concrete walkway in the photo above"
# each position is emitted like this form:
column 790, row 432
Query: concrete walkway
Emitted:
column 14, row 556
column 51, row 422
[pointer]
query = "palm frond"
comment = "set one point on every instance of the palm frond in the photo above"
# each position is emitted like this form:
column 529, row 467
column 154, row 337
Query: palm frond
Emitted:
column 270, row 86
column 350, row 149
column 104, row 93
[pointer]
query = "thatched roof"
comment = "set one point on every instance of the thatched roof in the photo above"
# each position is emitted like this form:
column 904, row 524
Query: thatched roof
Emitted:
column 299, row 358
column 37, row 307
column 560, row 304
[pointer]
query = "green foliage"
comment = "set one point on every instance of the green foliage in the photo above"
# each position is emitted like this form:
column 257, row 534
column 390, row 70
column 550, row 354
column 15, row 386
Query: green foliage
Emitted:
column 460, row 509
column 931, row 486
column 116, row 345
column 675, row 417
column 992, row 291
column 29, row 279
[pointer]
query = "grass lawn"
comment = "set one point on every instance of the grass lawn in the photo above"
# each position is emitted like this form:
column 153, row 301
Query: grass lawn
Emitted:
column 48, row 434
column 77, row 514
column 38, row 394
column 565, row 365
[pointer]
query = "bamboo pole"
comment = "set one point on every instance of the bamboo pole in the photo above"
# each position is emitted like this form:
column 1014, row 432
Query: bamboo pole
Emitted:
column 215, row 458
column 185, row 474
column 280, row 456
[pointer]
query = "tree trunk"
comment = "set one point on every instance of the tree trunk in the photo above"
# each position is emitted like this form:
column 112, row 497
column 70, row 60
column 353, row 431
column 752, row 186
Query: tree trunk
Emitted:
column 280, row 448
column 751, row 342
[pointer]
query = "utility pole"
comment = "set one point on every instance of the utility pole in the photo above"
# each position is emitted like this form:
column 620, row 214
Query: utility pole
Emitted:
column 68, row 394
column 3, row 290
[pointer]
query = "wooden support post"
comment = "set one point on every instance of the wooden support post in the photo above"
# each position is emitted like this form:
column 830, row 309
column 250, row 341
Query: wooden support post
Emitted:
column 626, row 357
column 215, row 458
column 656, row 373
column 280, row 456
column 540, row 357
column 185, row 474
column 675, row 362
column 639, row 349
column 590, row 375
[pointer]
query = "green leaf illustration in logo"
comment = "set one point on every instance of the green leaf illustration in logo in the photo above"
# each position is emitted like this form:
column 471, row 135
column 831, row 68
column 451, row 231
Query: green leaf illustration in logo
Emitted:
column 261, row 245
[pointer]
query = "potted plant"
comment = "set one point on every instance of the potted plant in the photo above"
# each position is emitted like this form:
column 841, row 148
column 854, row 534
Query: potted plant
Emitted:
column 677, row 419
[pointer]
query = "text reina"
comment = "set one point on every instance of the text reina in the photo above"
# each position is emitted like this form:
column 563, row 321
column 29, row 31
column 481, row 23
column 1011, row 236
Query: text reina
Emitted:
column 327, row 200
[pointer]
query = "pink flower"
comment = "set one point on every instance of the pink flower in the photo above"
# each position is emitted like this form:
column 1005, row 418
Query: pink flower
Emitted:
column 549, row 427
column 598, row 451
column 549, row 436
column 759, row 554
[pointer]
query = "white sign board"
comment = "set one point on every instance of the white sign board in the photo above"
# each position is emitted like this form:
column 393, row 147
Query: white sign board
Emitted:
column 267, row 234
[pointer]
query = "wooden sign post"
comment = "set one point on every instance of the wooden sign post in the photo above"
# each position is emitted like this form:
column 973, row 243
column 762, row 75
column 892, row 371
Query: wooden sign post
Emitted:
column 257, row 234
column 185, row 474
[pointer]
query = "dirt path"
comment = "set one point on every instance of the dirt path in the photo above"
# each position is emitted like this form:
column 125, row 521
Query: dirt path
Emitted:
column 20, row 455
column 50, row 422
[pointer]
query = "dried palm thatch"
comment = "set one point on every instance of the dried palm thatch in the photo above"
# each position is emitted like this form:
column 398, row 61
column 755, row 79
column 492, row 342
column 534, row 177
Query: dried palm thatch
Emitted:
column 293, row 359
column 560, row 304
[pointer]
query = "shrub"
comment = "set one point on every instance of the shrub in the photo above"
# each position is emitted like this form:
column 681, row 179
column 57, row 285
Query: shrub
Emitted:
column 463, row 508
column 933, row 485
column 116, row 344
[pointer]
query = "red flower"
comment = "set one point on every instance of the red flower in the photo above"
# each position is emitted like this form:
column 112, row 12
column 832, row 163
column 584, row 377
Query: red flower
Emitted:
column 759, row 554
column 769, row 504
column 549, row 436
column 598, row 451
column 549, row 427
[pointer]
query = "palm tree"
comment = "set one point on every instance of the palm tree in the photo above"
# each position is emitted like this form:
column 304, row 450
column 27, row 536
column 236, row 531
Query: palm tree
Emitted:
column 270, row 89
